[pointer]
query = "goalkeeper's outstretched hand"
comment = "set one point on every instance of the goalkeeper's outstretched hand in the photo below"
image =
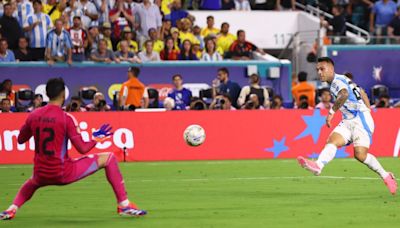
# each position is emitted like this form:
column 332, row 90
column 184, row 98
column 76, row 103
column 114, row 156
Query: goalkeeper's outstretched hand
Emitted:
column 102, row 133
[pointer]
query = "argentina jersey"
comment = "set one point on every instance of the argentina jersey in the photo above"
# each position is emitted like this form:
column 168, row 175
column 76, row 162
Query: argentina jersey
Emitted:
column 354, row 103
column 25, row 9
column 37, row 35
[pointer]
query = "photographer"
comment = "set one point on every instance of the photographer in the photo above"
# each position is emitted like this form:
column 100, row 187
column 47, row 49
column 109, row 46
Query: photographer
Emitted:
column 75, row 105
column 253, row 103
column 98, row 104
column 221, row 102
column 254, row 88
column 383, row 102
column 303, row 103
column 277, row 102
column 197, row 104
column 37, row 102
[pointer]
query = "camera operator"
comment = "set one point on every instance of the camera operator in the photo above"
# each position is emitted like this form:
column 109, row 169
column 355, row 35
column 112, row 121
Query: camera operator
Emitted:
column 98, row 104
column 75, row 105
column 277, row 102
column 37, row 102
column 253, row 103
column 197, row 104
column 303, row 103
column 221, row 102
column 383, row 102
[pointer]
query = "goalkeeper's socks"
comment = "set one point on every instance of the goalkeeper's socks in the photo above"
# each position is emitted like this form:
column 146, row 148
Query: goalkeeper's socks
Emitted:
column 124, row 203
column 374, row 164
column 114, row 177
column 327, row 154
column 13, row 207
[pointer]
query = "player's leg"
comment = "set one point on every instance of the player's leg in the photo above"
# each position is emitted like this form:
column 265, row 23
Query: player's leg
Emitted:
column 338, row 138
column 24, row 194
column 109, row 162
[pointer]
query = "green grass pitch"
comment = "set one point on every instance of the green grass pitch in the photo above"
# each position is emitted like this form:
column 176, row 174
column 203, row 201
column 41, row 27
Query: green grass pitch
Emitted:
column 253, row 193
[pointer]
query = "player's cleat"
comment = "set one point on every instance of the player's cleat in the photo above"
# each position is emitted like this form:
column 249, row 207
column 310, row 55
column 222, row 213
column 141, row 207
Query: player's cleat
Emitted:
column 7, row 215
column 391, row 183
column 131, row 210
column 309, row 165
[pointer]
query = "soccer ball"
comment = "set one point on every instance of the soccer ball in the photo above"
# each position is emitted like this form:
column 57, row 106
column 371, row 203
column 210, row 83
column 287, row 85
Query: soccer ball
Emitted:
column 194, row 135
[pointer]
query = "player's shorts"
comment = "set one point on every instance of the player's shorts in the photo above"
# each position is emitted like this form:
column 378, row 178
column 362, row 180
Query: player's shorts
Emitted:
column 358, row 130
column 74, row 170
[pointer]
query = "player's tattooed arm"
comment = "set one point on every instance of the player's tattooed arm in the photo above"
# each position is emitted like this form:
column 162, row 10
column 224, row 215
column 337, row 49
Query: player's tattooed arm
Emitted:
column 340, row 99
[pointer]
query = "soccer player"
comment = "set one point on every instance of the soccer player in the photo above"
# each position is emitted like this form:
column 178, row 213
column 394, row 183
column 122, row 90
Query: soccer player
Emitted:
column 51, row 128
column 356, row 127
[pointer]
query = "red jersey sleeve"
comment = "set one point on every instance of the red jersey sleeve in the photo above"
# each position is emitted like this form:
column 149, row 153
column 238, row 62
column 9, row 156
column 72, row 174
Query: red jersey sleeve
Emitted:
column 25, row 133
column 75, row 137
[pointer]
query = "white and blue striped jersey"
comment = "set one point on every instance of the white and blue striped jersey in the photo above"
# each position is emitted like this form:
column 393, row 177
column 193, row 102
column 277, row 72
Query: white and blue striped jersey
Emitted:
column 38, row 34
column 25, row 9
column 354, row 103
column 58, row 44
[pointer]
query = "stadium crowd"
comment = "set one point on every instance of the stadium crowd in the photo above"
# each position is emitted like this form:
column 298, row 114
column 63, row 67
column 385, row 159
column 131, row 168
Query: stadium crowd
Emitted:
column 115, row 31
column 224, row 94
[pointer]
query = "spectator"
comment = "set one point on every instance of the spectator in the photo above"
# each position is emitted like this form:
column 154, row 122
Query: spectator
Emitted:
column 254, row 88
column 6, row 55
column 197, row 50
column 303, row 88
column 180, row 95
column 23, row 53
column 37, row 25
column 166, row 6
column 103, row 8
column 381, row 15
column 277, row 102
column 85, row 9
column 37, row 102
column 338, row 23
column 150, row 17
column 242, row 5
column 5, row 106
column 79, row 40
column 242, row 49
column 228, row 5
column 326, row 98
column 106, row 34
column 24, row 8
column 6, row 90
column 98, row 104
column 394, row 27
column 211, row 53
column 262, row 5
column 59, row 45
column 383, row 102
column 225, row 39
column 166, row 29
column 359, row 12
column 130, row 37
column 54, row 9
column 210, row 5
column 75, row 105
column 222, row 85
column 9, row 27
column 94, row 37
column 132, row 91
column 148, row 55
column 169, row 52
column 102, row 54
column 158, row 44
column 286, row 4
column 126, row 55
column 120, row 17
column 221, row 102
column 199, row 37
column 187, row 51
column 303, row 103
column 177, row 13
column 175, row 36
column 186, row 34
column 210, row 27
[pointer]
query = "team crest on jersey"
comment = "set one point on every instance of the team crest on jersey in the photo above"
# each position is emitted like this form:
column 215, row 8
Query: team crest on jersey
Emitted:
column 377, row 73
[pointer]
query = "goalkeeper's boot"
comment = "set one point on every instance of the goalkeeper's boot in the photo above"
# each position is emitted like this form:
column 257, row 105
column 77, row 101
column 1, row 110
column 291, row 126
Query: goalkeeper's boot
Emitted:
column 8, row 215
column 391, row 184
column 131, row 210
column 309, row 165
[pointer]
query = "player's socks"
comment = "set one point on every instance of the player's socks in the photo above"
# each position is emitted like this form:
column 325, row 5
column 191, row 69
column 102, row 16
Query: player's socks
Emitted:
column 25, row 193
column 13, row 207
column 114, row 177
column 326, row 155
column 124, row 203
column 374, row 164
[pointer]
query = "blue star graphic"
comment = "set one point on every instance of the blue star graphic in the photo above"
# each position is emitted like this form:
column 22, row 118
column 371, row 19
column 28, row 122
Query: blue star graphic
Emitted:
column 278, row 148
column 314, row 125
column 341, row 153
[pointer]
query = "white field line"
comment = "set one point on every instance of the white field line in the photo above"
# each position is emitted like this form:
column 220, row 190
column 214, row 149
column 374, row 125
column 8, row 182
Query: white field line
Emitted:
column 233, row 179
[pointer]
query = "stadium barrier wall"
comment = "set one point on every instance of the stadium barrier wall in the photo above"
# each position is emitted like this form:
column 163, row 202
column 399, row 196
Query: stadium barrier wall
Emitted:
column 108, row 77
column 263, row 134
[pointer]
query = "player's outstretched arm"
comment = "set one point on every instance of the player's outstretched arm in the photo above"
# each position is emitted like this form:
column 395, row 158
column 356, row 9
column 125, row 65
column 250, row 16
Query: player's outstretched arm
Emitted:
column 76, row 138
column 341, row 98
